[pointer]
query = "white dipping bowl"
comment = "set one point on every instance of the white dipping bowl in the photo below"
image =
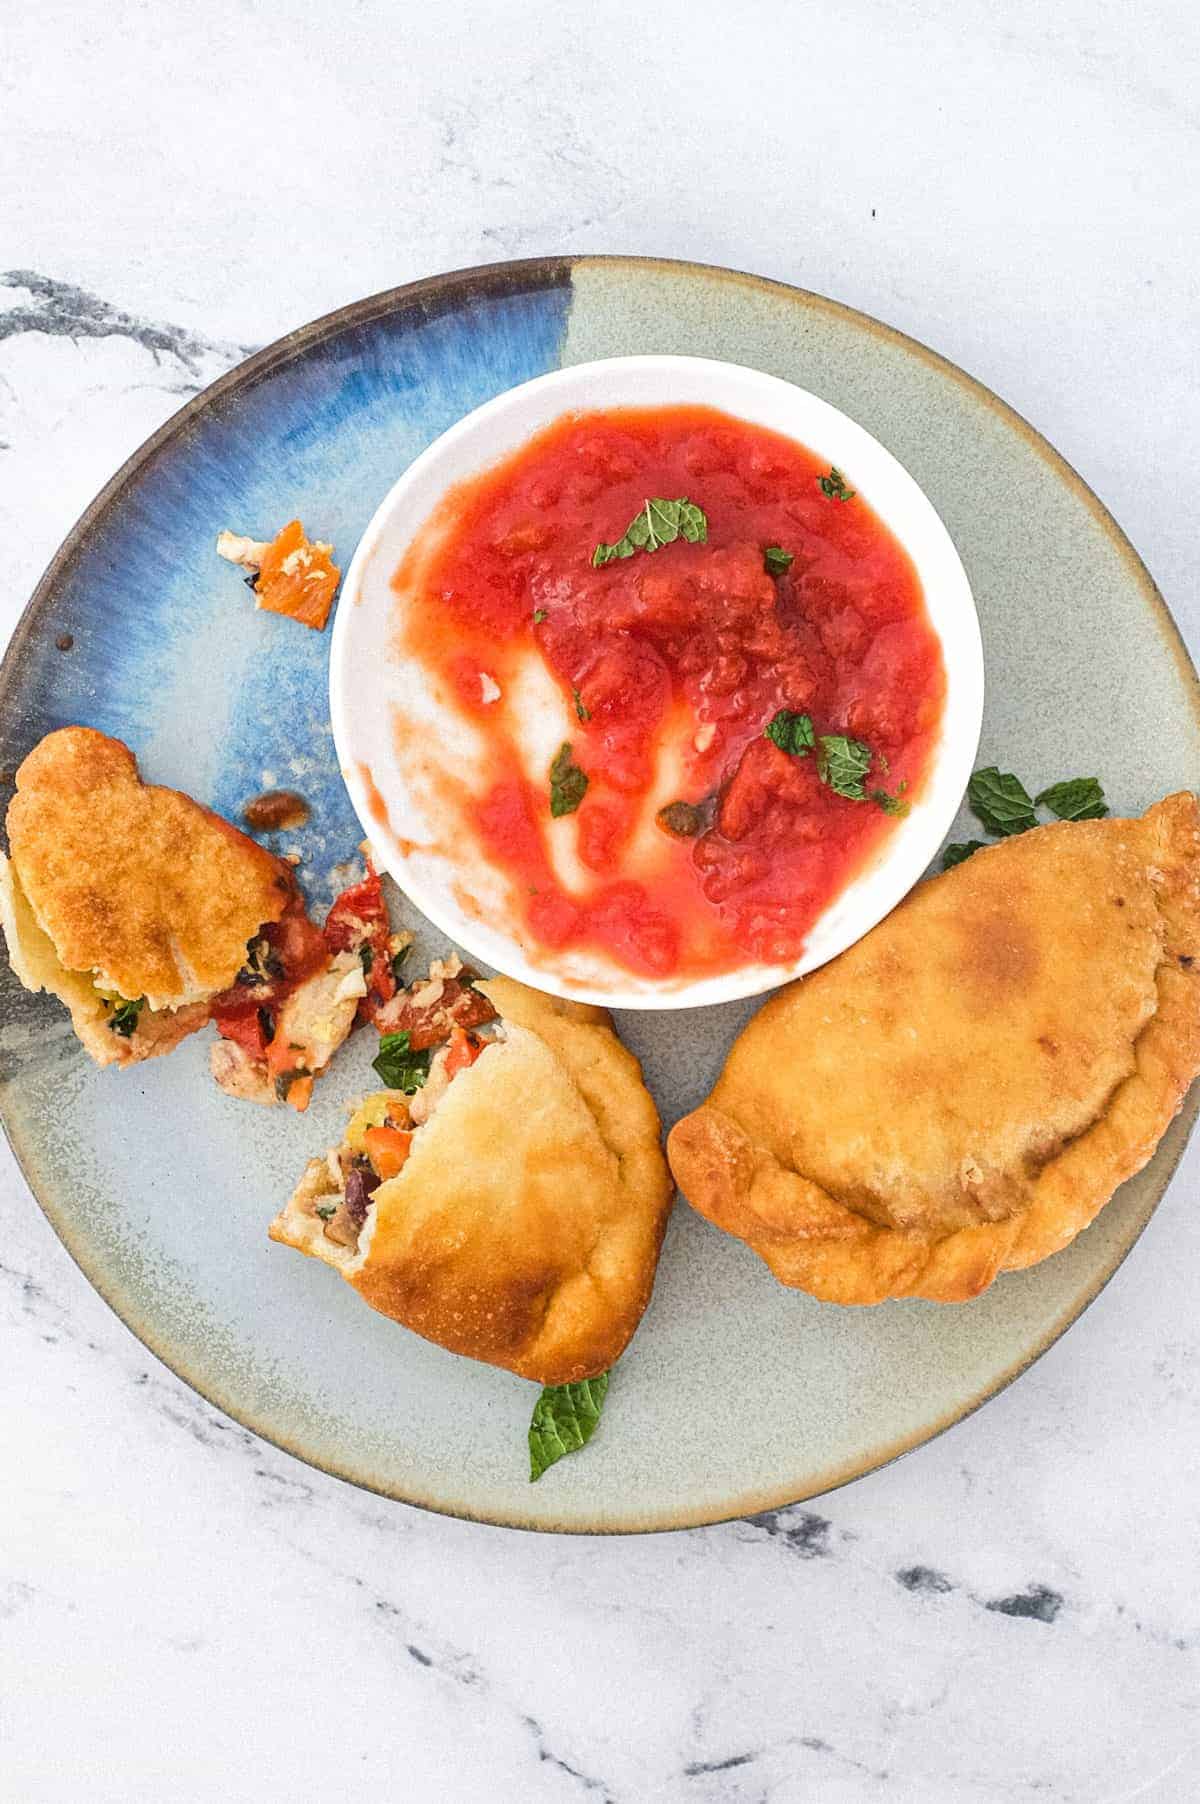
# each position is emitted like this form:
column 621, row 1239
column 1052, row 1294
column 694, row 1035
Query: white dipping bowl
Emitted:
column 369, row 676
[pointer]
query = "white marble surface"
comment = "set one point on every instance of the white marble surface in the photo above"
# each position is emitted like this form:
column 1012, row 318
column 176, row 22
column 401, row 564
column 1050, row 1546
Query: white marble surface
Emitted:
column 1012, row 1613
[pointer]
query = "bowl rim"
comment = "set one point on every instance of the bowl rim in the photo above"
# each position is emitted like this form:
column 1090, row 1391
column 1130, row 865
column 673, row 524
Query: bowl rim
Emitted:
column 903, row 855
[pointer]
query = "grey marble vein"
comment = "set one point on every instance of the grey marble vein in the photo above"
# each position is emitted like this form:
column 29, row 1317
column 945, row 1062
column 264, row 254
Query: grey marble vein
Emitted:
column 924, row 1578
column 1038, row 1604
column 61, row 309
column 803, row 1532
column 700, row 1769
column 584, row 1782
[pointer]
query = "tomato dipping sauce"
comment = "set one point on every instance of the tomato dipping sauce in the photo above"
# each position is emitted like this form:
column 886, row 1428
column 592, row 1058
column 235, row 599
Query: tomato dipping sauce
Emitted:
column 664, row 827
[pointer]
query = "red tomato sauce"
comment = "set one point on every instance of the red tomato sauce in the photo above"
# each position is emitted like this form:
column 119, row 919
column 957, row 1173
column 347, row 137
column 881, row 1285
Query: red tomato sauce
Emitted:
column 670, row 665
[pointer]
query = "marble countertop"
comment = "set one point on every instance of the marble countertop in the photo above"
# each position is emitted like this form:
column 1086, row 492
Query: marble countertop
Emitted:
column 1011, row 1613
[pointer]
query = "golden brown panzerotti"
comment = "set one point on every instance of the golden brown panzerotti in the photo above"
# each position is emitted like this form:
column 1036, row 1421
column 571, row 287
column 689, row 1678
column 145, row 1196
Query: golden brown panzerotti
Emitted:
column 960, row 1093
column 118, row 892
column 525, row 1225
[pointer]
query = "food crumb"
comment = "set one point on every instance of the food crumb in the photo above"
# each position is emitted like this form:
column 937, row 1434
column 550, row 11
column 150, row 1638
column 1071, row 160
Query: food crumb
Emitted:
column 290, row 574
column 236, row 548
column 65, row 641
column 276, row 810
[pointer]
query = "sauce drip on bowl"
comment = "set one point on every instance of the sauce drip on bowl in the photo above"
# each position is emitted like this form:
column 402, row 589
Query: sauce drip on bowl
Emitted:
column 701, row 843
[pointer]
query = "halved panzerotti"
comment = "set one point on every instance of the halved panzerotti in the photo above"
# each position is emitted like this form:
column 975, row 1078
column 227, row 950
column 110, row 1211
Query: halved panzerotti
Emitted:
column 509, row 1204
column 148, row 915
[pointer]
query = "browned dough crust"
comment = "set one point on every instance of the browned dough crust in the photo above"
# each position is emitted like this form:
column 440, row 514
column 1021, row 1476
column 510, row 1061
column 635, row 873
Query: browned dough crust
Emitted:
column 961, row 1092
column 138, row 885
column 525, row 1228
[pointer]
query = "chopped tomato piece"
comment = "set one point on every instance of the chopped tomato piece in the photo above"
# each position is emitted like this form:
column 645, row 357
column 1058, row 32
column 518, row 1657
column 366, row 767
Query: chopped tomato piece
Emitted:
column 298, row 577
column 299, row 945
column 287, row 955
column 362, row 905
column 243, row 1023
column 387, row 1148
column 765, row 775
column 246, row 1013
column 428, row 1024
column 358, row 918
column 463, row 1050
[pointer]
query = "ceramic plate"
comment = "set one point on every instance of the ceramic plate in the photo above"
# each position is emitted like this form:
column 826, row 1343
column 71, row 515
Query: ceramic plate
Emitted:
column 736, row 1395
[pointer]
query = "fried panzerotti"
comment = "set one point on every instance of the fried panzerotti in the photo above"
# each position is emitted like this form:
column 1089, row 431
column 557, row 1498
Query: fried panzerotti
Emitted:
column 129, row 902
column 513, row 1209
column 960, row 1093
column 148, row 915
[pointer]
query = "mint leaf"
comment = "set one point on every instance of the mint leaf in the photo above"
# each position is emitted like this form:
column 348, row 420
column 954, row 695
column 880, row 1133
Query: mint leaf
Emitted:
column 890, row 804
column 568, row 784
column 124, row 1017
column 1001, row 801
column 398, row 1066
column 834, row 485
column 565, row 1418
column 960, row 851
column 682, row 519
column 777, row 560
column 659, row 523
column 584, row 713
column 842, row 764
column 1078, row 799
column 790, row 732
